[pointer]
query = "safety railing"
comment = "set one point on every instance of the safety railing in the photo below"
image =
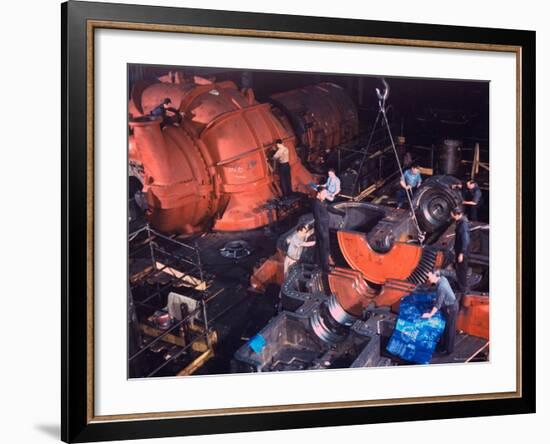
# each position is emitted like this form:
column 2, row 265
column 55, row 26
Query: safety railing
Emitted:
column 180, row 266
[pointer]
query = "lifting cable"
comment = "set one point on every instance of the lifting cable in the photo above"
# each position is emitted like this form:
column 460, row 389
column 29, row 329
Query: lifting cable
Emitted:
column 382, row 97
column 365, row 152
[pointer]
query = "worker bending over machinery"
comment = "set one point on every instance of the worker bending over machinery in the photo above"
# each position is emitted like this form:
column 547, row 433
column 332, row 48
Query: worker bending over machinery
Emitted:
column 296, row 244
column 320, row 214
column 446, row 302
column 169, row 114
column 462, row 249
column 409, row 183
column 281, row 158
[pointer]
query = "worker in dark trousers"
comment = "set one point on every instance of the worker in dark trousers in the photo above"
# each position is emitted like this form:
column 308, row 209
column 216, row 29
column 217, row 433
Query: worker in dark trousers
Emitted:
column 462, row 249
column 472, row 199
column 409, row 183
column 170, row 115
column 320, row 214
column 281, row 156
column 446, row 302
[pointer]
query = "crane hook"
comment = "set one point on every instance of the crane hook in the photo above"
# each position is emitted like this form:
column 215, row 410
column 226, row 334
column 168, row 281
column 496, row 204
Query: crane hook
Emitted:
column 383, row 96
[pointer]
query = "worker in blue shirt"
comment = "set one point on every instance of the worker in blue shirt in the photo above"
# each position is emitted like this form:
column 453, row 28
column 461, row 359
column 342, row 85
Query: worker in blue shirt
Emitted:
column 332, row 185
column 462, row 248
column 446, row 302
column 409, row 183
column 169, row 114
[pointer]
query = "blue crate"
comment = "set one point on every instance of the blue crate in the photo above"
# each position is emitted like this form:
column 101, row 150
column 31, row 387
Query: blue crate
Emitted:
column 257, row 343
column 414, row 339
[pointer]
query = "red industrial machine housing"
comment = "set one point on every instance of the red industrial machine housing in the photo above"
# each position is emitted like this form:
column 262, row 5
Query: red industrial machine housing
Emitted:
column 381, row 278
column 211, row 171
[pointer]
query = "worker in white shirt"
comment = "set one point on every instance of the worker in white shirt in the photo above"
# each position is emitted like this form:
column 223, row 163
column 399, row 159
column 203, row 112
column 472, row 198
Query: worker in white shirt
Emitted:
column 296, row 244
column 332, row 184
column 281, row 157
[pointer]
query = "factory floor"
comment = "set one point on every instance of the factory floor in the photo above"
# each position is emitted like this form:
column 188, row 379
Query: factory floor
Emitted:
column 236, row 313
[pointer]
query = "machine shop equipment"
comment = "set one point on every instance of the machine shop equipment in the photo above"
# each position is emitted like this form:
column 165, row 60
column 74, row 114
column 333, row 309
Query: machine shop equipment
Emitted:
column 377, row 261
column 211, row 200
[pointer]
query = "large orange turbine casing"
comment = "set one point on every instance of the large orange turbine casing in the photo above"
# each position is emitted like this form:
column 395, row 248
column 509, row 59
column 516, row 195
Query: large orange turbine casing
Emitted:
column 176, row 183
column 237, row 142
column 212, row 170
column 202, row 103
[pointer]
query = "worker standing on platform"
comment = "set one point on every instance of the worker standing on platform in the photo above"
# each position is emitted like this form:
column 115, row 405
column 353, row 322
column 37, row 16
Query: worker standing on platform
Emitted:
column 320, row 213
column 409, row 183
column 296, row 243
column 281, row 156
column 332, row 184
column 446, row 302
column 462, row 249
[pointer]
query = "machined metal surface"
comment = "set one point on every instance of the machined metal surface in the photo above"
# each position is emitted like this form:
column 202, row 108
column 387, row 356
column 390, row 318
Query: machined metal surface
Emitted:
column 236, row 249
column 337, row 312
column 434, row 201
column 303, row 283
column 294, row 341
column 324, row 329
column 398, row 263
column 449, row 154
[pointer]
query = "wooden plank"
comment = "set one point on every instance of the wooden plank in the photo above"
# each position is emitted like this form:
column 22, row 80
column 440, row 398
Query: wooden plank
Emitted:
column 466, row 349
column 197, row 363
column 140, row 274
column 427, row 171
column 475, row 162
column 367, row 191
column 186, row 279
column 170, row 338
column 478, row 351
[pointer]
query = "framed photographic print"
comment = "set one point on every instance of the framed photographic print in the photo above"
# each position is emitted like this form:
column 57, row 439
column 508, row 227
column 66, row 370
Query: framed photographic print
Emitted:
column 275, row 221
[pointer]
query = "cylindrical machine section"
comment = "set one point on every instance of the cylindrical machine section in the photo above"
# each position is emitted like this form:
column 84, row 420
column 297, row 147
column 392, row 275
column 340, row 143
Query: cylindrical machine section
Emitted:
column 434, row 201
column 237, row 143
column 331, row 323
column 207, row 102
column 338, row 313
column 201, row 103
column 322, row 116
column 176, row 178
column 449, row 157
column 145, row 96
